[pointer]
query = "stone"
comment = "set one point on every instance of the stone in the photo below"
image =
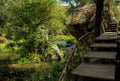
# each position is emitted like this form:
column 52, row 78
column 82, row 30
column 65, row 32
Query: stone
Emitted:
column 84, row 18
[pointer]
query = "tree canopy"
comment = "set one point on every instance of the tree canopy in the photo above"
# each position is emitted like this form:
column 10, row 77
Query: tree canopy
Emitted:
column 78, row 2
column 33, row 22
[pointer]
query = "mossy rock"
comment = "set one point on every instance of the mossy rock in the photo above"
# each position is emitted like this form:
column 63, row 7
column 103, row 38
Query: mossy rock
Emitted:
column 83, row 19
column 3, row 39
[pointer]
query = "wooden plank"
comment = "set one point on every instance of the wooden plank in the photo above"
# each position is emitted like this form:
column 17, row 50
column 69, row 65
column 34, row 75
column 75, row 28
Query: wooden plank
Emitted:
column 104, row 45
column 114, row 26
column 109, row 33
column 100, row 55
column 99, row 71
column 107, row 36
column 110, row 30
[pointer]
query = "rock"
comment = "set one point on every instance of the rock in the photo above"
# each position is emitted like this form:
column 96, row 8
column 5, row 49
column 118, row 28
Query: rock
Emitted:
column 58, row 55
column 84, row 18
column 3, row 39
column 83, row 14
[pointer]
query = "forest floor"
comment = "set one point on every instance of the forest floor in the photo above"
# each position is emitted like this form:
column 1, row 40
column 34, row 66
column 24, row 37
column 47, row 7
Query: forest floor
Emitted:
column 12, row 71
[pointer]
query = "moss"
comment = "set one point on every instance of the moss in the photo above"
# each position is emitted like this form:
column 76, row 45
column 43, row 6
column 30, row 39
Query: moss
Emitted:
column 66, row 38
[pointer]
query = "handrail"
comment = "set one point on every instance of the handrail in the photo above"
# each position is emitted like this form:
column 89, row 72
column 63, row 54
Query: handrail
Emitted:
column 71, row 56
column 103, row 25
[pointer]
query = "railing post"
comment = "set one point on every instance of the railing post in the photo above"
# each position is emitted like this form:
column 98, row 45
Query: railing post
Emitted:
column 117, row 64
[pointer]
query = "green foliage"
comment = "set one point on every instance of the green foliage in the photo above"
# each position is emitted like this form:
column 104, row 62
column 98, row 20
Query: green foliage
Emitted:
column 11, row 45
column 34, row 22
column 37, row 43
column 2, row 46
column 24, row 17
column 66, row 38
column 78, row 2
column 8, row 57
column 32, row 72
column 116, row 10
column 49, row 73
column 8, row 45
column 22, row 60
column 8, row 54
column 83, row 2
column 31, row 25
column 19, row 72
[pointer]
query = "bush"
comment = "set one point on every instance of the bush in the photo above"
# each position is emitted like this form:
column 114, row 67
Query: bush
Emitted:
column 49, row 73
column 32, row 72
column 11, row 45
column 67, row 38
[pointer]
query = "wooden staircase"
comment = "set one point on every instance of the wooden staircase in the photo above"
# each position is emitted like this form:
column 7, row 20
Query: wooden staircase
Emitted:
column 104, row 53
column 102, row 62
column 111, row 27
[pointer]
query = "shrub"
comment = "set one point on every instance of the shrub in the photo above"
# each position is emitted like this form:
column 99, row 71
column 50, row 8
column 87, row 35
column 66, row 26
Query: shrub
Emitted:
column 49, row 73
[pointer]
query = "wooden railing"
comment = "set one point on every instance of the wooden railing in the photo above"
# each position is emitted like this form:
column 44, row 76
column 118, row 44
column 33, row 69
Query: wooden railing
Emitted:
column 74, row 58
column 103, row 26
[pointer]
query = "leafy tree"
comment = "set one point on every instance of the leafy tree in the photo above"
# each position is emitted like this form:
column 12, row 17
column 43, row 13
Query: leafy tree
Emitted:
column 2, row 16
column 34, row 22
column 24, row 17
column 78, row 2
column 115, row 7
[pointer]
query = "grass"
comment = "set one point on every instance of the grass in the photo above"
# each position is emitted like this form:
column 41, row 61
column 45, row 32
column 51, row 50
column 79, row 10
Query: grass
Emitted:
column 35, row 66
column 8, row 55
column 10, row 69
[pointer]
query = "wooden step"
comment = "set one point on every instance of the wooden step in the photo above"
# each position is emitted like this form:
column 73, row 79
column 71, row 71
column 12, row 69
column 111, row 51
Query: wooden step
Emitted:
column 112, row 23
column 112, row 26
column 98, row 71
column 110, row 30
column 107, row 36
column 109, row 33
column 104, row 45
column 100, row 55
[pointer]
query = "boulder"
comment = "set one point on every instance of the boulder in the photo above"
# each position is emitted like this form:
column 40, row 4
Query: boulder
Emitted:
column 84, row 18
column 83, row 14
column 3, row 39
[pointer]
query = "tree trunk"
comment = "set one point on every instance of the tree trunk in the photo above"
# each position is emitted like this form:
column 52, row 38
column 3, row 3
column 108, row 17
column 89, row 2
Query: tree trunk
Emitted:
column 99, row 9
